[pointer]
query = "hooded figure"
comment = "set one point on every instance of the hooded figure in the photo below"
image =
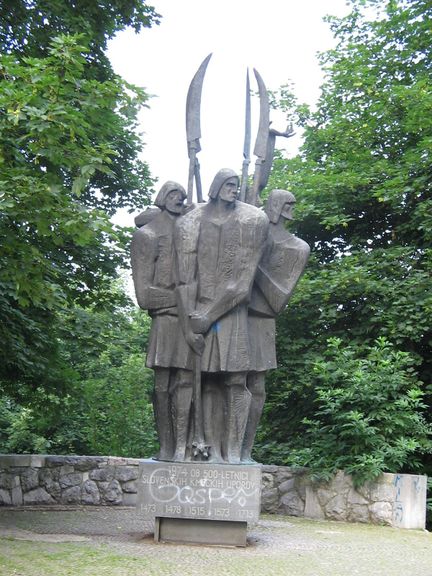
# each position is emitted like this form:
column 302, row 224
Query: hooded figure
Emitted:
column 222, row 176
column 153, row 268
column 169, row 186
column 281, row 266
column 218, row 248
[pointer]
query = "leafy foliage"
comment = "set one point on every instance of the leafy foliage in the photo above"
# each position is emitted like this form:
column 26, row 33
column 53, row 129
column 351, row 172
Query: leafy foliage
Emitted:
column 25, row 25
column 68, row 159
column 101, row 404
column 363, row 184
column 367, row 414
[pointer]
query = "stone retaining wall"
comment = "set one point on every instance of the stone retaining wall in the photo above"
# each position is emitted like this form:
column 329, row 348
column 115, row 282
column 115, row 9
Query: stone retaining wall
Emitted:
column 94, row 480
column 395, row 499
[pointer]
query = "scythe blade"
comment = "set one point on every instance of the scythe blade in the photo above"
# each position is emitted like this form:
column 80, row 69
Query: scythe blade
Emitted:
column 193, row 128
column 260, row 149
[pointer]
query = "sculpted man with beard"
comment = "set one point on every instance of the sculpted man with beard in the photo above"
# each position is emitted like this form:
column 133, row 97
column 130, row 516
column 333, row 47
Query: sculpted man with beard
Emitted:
column 281, row 266
column 218, row 247
column 168, row 353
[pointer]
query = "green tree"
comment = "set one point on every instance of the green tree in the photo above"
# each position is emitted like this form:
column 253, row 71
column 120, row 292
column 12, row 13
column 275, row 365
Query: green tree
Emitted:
column 367, row 416
column 69, row 158
column 363, row 183
column 55, row 249
column 27, row 28
column 27, row 25
column 102, row 402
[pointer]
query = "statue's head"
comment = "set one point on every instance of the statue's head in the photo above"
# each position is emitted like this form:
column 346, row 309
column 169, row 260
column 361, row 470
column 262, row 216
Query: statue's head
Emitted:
column 225, row 185
column 280, row 203
column 171, row 197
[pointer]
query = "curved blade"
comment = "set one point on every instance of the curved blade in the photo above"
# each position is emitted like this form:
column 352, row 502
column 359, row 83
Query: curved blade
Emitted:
column 193, row 105
column 260, row 149
column 246, row 142
column 247, row 138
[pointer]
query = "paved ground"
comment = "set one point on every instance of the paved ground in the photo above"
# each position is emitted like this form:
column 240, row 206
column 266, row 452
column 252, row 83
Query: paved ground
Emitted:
column 115, row 541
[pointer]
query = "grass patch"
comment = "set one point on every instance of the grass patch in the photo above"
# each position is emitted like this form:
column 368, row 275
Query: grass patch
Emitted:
column 279, row 546
column 22, row 558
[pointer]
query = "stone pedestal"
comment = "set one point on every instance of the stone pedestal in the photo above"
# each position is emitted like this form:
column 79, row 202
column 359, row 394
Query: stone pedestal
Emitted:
column 198, row 502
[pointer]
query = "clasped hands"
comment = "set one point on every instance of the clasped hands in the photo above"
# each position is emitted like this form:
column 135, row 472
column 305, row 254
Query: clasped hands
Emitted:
column 199, row 324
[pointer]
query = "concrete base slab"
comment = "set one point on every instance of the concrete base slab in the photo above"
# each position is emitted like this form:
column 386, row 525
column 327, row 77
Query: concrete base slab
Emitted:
column 199, row 503
column 192, row 531
column 199, row 491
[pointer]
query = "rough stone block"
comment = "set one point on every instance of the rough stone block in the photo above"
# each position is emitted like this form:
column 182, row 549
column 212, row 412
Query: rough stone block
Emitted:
column 312, row 505
column 17, row 496
column 341, row 483
column 111, row 492
column 283, row 473
column 116, row 461
column 53, row 488
column 300, row 486
column 336, row 508
column 5, row 497
column 71, row 479
column 355, row 498
column 292, row 504
column 45, row 475
column 71, row 495
column 54, row 461
column 381, row 513
column 270, row 468
column 287, row 486
column 133, row 461
column 29, row 479
column 358, row 513
column 37, row 496
column 90, row 493
column 324, row 495
column 86, row 463
column 267, row 481
column 383, row 490
column 269, row 500
column 126, row 473
column 48, row 475
column 130, row 487
column 105, row 474
column 7, row 481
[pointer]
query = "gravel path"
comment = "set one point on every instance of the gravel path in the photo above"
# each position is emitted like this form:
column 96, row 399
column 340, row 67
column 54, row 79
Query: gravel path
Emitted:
column 276, row 546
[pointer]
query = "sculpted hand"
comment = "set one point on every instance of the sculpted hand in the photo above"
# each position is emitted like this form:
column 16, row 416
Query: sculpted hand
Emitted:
column 200, row 323
column 196, row 342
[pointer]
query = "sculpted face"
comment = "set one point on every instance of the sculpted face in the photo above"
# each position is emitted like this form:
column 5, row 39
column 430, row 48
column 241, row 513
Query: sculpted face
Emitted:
column 174, row 202
column 287, row 210
column 229, row 189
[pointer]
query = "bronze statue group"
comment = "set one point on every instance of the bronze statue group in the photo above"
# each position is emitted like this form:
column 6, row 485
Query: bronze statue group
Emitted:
column 213, row 276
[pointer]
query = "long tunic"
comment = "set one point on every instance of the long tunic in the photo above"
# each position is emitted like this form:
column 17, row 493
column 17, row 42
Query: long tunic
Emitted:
column 153, row 268
column 218, row 259
column 280, row 269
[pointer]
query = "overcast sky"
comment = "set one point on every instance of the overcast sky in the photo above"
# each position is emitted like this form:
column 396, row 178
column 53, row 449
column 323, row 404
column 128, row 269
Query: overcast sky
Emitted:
column 280, row 38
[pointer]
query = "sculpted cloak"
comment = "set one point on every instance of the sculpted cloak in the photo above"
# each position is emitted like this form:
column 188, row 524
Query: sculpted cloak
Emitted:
column 217, row 261
column 279, row 270
column 154, row 276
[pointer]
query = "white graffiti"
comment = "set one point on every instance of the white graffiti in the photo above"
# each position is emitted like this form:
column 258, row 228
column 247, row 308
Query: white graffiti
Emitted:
column 165, row 488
